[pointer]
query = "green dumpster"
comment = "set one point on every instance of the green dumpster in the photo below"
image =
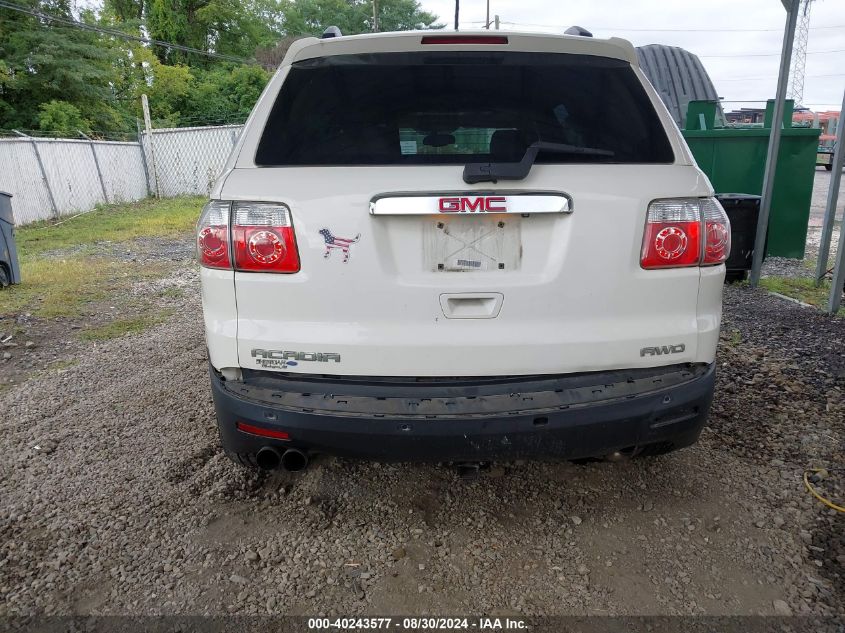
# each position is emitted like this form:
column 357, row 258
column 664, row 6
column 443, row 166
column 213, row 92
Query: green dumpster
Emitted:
column 735, row 159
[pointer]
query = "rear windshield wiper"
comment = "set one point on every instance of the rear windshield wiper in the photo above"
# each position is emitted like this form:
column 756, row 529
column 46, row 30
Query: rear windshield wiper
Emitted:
column 493, row 172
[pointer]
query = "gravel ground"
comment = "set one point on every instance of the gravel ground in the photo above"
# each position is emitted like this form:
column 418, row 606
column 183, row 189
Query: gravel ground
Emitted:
column 818, row 202
column 783, row 267
column 116, row 499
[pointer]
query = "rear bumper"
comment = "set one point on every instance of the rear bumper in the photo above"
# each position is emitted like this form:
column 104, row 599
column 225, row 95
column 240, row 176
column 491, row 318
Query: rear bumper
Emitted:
column 542, row 417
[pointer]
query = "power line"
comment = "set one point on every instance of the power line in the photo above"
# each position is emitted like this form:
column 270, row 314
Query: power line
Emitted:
column 774, row 77
column 113, row 33
column 835, row 50
column 638, row 30
column 760, row 101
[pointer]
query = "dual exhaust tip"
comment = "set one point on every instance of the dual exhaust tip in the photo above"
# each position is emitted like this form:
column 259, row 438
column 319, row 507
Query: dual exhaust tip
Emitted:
column 292, row 460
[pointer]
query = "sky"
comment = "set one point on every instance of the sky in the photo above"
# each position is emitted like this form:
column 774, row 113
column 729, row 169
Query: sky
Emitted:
column 738, row 41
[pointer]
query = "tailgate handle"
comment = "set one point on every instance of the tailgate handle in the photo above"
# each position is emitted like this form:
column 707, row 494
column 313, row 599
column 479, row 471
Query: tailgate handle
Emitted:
column 471, row 305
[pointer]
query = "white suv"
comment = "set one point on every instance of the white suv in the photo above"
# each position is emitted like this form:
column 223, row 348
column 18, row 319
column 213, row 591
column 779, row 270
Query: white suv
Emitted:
column 460, row 247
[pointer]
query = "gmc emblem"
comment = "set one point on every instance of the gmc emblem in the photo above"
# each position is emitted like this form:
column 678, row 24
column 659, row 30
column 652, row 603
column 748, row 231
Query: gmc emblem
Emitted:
column 490, row 204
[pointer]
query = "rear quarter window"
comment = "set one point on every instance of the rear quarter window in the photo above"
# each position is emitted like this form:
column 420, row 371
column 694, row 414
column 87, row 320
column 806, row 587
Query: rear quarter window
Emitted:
column 451, row 108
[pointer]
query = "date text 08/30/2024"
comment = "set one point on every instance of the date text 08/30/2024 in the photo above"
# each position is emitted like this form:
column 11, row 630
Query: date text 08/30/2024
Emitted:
column 417, row 624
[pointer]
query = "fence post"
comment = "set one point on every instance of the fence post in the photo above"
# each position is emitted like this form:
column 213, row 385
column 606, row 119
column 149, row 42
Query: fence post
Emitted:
column 53, row 206
column 792, row 7
column 148, row 126
column 144, row 158
column 838, row 281
column 96, row 164
column 836, row 161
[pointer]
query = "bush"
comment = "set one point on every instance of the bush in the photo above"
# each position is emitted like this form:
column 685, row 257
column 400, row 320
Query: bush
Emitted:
column 61, row 116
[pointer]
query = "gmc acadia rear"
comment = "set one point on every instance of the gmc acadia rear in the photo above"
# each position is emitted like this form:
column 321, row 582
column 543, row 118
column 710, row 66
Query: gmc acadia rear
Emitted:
column 460, row 247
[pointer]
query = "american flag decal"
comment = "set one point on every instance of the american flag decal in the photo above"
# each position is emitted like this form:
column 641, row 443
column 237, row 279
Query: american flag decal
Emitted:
column 343, row 243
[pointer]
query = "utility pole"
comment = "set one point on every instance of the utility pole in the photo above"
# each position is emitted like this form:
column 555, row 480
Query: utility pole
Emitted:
column 375, row 16
column 795, row 90
column 496, row 18
column 792, row 7
column 457, row 11
column 487, row 19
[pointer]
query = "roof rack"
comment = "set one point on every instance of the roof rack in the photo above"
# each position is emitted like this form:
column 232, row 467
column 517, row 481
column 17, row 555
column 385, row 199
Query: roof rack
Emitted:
column 331, row 31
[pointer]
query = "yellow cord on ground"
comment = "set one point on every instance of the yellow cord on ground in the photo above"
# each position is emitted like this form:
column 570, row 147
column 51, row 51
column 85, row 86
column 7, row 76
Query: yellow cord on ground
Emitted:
column 813, row 492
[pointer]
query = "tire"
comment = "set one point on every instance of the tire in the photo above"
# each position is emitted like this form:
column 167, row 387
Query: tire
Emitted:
column 734, row 276
column 4, row 277
column 829, row 167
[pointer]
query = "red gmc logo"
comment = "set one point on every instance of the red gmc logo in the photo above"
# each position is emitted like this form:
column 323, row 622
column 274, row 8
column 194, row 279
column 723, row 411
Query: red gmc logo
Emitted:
column 490, row 204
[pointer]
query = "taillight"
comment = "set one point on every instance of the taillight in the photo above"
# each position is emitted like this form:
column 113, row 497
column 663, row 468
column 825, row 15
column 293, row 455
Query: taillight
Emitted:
column 263, row 239
column 213, row 235
column 672, row 235
column 685, row 232
column 717, row 232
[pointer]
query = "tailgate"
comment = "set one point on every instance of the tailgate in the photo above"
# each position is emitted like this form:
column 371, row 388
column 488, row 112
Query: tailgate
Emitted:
column 466, row 293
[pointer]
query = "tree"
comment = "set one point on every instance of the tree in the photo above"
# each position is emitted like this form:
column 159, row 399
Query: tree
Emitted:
column 225, row 95
column 404, row 15
column 311, row 17
column 272, row 56
column 47, row 61
column 167, row 90
column 7, row 83
column 228, row 27
column 124, row 10
column 61, row 116
column 61, row 76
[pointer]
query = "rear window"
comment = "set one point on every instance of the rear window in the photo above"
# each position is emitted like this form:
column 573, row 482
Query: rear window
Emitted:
column 452, row 108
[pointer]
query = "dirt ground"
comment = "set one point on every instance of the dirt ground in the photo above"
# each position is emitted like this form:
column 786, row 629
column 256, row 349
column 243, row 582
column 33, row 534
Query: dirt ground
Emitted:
column 821, row 184
column 116, row 497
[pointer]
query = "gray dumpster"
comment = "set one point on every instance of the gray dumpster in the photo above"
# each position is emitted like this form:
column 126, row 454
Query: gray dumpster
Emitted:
column 10, row 270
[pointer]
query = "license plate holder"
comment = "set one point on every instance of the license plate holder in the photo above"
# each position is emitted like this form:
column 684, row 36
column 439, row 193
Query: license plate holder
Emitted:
column 476, row 243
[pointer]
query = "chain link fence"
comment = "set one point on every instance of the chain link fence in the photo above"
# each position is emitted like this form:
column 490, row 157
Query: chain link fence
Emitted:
column 187, row 160
column 51, row 175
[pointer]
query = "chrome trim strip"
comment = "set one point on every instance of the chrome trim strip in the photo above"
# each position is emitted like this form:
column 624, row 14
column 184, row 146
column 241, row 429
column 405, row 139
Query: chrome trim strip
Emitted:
column 471, row 202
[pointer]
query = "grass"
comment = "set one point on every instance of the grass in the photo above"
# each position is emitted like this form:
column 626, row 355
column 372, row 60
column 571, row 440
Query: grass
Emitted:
column 66, row 287
column 82, row 283
column 171, row 293
column 802, row 289
column 113, row 223
column 120, row 327
column 54, row 288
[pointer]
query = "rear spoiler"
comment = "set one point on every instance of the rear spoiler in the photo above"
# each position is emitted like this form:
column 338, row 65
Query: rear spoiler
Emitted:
column 413, row 41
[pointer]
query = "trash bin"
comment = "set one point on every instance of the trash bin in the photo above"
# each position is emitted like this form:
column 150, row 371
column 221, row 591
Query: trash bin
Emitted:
column 743, row 210
column 10, row 272
column 734, row 159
